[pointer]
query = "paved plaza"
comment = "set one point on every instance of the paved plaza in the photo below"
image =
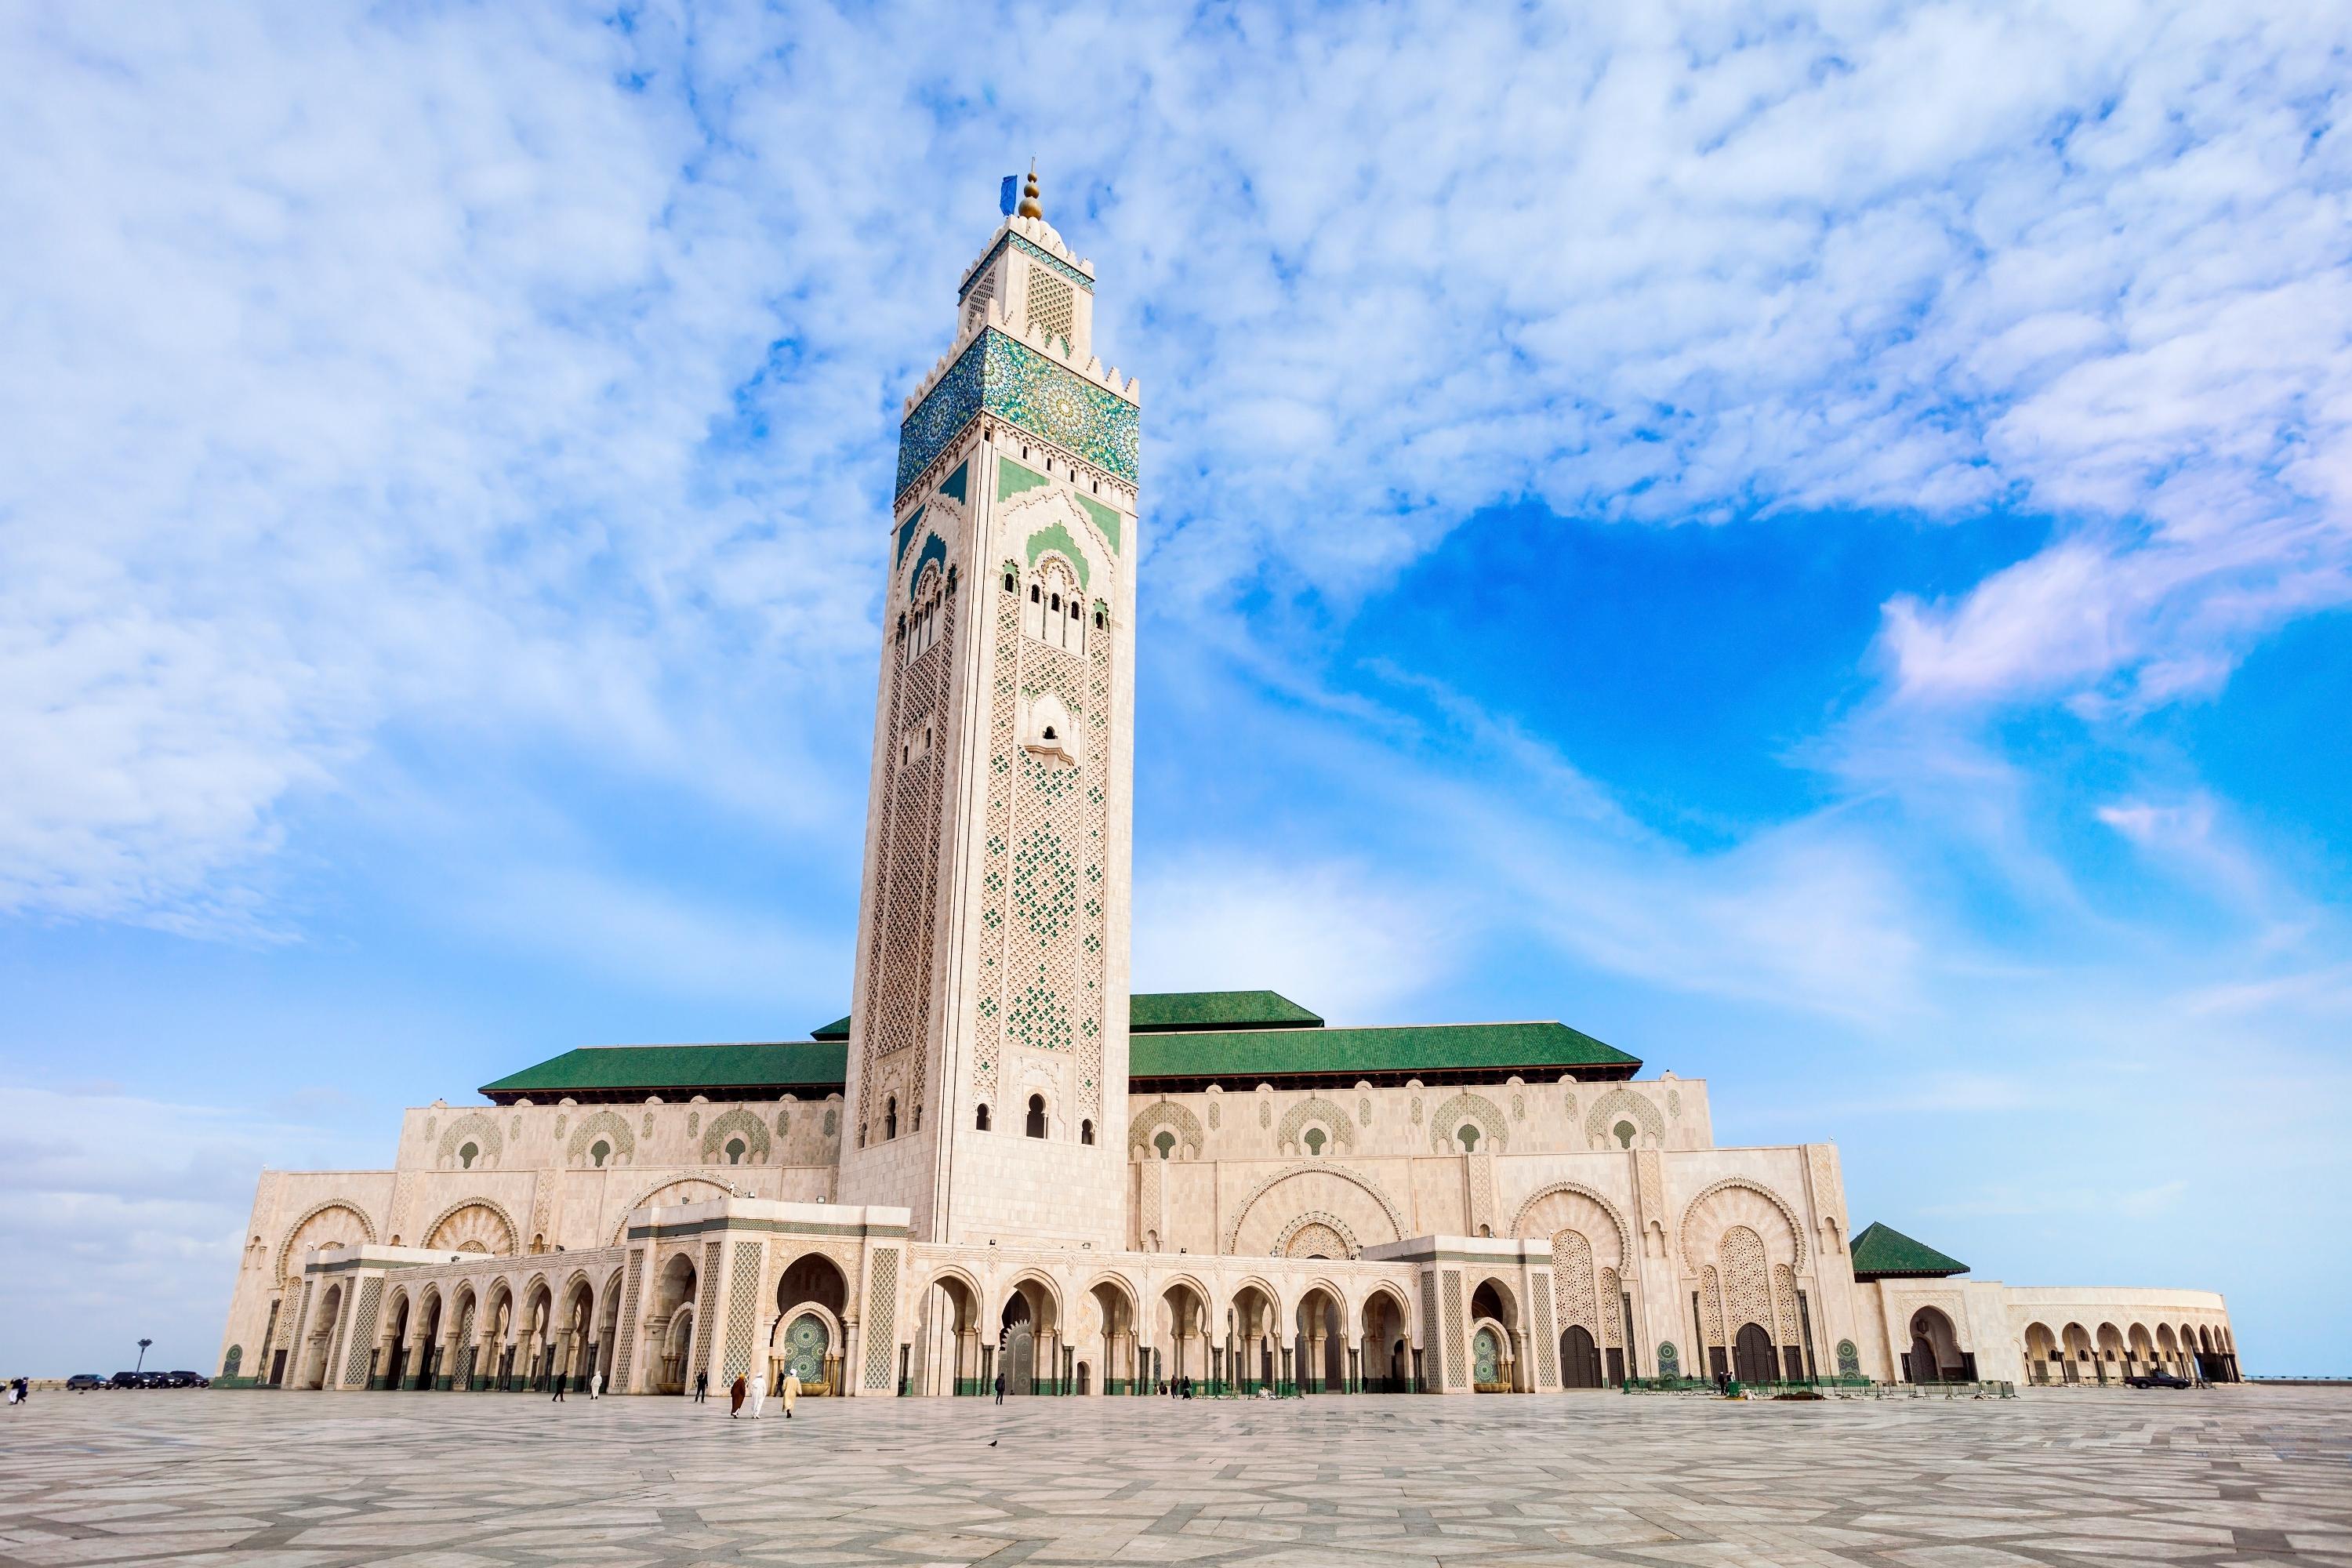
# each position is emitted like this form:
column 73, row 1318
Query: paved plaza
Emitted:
column 263, row 1480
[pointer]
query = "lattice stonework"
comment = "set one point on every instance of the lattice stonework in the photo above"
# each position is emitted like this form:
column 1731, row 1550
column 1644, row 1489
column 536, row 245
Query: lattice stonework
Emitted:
column 1457, row 1349
column 743, row 1311
column 1044, row 910
column 627, row 1327
column 1547, row 1343
column 996, row 873
column 1571, row 1279
column 901, row 942
column 355, row 1365
column 1432, row 1346
column 1745, row 1289
column 1052, row 304
column 1784, row 1304
column 881, row 1318
column 707, row 1317
column 1612, row 1308
column 1710, row 1307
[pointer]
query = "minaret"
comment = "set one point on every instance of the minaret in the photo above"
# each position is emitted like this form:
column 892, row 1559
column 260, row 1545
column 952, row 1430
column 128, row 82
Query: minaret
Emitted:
column 987, row 1086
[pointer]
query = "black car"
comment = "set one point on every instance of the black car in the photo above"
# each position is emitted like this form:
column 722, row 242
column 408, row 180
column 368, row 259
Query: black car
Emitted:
column 128, row 1380
column 83, row 1382
column 186, row 1380
column 2157, row 1380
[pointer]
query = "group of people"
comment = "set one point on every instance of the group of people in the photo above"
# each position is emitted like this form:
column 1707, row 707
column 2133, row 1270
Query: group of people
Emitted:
column 19, row 1391
column 596, row 1386
column 746, row 1392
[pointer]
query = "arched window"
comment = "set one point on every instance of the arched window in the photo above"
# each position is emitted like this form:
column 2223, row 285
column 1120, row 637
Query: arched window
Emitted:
column 891, row 1119
column 1086, row 1130
column 735, row 1150
column 466, row 1156
column 1624, row 1134
column 1314, row 1140
column 1036, row 1128
column 1035, row 592
column 1011, row 584
column 1469, row 1134
column 980, row 1120
column 598, row 1152
column 1165, row 1144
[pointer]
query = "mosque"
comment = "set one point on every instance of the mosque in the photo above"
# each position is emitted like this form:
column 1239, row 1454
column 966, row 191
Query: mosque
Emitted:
column 1004, row 1163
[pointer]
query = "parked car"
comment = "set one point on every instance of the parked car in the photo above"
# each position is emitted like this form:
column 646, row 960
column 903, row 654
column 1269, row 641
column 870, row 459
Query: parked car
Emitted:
column 2157, row 1380
column 127, row 1380
column 186, row 1380
column 83, row 1382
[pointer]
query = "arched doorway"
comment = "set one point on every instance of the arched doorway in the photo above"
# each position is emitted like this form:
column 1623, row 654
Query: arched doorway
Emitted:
column 396, row 1359
column 950, row 1342
column 1579, row 1359
column 1388, row 1352
column 804, row 1338
column 1321, row 1344
column 1752, row 1354
column 804, row 1349
column 672, row 1325
column 1253, row 1326
column 1109, row 1340
column 428, row 1343
column 1018, row 1346
column 1934, row 1355
column 314, row 1347
column 1494, row 1311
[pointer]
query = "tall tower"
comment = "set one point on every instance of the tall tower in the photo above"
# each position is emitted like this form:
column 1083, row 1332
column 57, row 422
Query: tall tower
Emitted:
column 987, row 1084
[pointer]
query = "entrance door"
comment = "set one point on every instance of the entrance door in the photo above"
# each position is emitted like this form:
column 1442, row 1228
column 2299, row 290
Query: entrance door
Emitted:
column 1923, row 1362
column 1485, row 1360
column 1752, row 1354
column 1579, row 1359
column 807, row 1344
column 1020, row 1358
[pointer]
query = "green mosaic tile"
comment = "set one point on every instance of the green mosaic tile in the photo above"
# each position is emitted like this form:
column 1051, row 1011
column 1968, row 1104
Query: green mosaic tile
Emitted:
column 1030, row 391
column 1053, row 536
column 1044, row 884
column 1104, row 517
column 1013, row 479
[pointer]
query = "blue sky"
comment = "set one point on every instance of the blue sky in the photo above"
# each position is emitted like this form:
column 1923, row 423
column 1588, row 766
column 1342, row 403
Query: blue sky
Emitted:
column 1810, row 542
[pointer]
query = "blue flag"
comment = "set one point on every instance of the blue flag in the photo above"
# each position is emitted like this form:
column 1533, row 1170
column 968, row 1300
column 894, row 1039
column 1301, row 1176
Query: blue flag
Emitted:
column 1009, row 194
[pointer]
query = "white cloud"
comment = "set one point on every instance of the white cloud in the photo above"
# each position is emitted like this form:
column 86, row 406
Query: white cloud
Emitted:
column 406, row 368
column 1329, row 936
column 126, row 1215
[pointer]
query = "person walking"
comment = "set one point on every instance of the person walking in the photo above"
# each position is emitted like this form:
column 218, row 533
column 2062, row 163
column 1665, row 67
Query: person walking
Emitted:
column 596, row 1385
column 999, row 1388
column 702, row 1386
column 792, row 1390
column 557, row 1397
column 735, row 1400
column 758, row 1395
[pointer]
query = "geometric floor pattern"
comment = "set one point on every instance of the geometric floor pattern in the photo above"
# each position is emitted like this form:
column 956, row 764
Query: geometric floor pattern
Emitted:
column 426, row 1480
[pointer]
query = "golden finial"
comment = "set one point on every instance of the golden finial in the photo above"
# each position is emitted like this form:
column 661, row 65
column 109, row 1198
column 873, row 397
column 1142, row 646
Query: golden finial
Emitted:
column 1029, row 205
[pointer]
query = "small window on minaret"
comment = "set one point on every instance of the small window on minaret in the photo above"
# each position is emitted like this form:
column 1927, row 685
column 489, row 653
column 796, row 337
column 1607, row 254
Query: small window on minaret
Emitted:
column 1036, row 1128
column 1034, row 593
column 980, row 1119
column 1086, row 1130
column 891, row 1119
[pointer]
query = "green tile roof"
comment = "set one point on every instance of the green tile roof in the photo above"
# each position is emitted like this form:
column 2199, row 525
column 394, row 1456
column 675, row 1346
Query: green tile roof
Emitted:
column 1882, row 1252
column 818, row 1064
column 1243, row 1054
column 1157, row 1012
column 836, row 1030
column 1424, row 1048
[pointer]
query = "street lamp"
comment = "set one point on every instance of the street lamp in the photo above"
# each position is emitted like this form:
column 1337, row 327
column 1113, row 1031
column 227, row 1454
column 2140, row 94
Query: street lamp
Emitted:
column 143, row 1355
